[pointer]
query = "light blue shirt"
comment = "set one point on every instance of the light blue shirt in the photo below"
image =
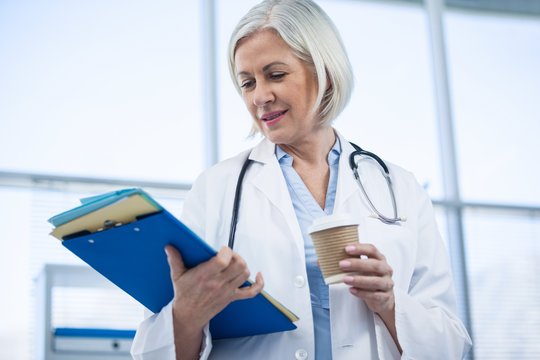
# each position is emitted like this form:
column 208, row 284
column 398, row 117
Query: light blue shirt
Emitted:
column 307, row 209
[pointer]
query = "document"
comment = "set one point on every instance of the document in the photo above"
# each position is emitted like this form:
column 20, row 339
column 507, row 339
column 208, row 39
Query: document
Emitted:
column 123, row 234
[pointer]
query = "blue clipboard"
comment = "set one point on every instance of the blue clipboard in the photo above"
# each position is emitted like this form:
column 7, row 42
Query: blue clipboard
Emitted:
column 132, row 257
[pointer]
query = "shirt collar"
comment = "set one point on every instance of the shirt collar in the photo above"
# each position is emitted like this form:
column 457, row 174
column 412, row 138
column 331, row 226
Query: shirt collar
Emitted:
column 333, row 155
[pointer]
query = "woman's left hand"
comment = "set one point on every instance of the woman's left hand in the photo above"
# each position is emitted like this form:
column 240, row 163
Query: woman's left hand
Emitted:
column 371, row 281
column 371, row 278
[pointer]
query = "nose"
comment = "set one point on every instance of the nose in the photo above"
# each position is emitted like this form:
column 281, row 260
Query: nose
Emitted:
column 263, row 94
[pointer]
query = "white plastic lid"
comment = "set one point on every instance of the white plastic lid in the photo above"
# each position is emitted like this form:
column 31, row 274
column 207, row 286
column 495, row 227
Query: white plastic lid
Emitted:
column 332, row 221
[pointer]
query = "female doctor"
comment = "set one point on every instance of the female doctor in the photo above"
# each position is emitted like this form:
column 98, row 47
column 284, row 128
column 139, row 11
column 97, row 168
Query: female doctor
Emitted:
column 289, row 65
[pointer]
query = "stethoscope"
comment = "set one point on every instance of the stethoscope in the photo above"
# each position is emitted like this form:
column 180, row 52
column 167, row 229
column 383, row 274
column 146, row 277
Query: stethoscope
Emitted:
column 353, row 163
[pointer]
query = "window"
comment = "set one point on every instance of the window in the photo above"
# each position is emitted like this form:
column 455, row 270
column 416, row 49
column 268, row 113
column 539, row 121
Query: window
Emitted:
column 494, row 75
column 502, row 257
column 101, row 89
column 495, row 80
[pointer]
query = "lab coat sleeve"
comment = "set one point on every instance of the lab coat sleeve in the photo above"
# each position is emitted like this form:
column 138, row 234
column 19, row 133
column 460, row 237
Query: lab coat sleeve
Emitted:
column 154, row 339
column 426, row 313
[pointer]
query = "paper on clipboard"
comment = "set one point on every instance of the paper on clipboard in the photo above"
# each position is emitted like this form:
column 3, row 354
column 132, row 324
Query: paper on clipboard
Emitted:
column 123, row 211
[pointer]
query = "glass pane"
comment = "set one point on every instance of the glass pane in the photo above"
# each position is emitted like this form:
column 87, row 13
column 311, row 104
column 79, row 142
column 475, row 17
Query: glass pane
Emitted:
column 502, row 254
column 15, row 277
column 440, row 217
column 101, row 89
column 447, row 221
column 495, row 81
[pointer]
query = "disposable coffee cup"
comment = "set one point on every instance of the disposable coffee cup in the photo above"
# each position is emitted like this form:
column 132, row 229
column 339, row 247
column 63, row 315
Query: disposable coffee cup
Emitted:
column 330, row 234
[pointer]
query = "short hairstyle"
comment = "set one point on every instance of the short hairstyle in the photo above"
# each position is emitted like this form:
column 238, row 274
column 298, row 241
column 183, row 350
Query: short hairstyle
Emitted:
column 313, row 37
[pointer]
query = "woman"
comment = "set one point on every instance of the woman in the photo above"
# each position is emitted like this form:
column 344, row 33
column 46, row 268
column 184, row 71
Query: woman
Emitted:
column 288, row 63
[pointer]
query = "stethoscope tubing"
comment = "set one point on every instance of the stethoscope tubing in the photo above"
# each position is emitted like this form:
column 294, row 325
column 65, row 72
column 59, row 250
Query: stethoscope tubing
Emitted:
column 354, row 167
column 386, row 173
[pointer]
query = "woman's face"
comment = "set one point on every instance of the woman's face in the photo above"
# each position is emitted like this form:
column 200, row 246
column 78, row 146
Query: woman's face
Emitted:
column 278, row 88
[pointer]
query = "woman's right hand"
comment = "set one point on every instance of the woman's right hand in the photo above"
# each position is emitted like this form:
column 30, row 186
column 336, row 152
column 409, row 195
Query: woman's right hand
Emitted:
column 203, row 291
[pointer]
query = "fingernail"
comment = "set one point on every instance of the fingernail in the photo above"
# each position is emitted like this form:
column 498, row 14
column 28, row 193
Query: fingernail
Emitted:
column 166, row 251
column 226, row 255
column 344, row 263
column 347, row 279
column 350, row 248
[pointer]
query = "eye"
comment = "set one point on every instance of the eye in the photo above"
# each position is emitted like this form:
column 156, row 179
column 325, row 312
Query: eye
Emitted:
column 277, row 75
column 246, row 84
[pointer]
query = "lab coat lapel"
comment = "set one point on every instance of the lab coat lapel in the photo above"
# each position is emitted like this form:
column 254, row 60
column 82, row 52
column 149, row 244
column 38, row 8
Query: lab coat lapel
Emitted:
column 346, row 186
column 268, row 178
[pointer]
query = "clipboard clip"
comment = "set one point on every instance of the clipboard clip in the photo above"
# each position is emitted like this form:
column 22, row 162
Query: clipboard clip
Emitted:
column 109, row 224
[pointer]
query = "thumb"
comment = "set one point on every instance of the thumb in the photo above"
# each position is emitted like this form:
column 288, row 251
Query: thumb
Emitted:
column 176, row 264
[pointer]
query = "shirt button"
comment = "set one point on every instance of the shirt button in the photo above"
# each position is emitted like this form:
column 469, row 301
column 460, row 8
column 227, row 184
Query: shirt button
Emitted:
column 299, row 281
column 301, row 354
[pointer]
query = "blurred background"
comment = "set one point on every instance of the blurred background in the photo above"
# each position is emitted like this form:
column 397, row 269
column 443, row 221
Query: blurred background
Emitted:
column 100, row 95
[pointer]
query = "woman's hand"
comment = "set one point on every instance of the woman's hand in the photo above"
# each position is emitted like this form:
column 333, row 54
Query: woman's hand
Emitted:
column 203, row 291
column 371, row 281
column 372, row 278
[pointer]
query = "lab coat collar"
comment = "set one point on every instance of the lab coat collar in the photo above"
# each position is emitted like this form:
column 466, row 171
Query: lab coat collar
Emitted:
column 269, row 179
column 271, row 182
column 347, row 185
column 264, row 152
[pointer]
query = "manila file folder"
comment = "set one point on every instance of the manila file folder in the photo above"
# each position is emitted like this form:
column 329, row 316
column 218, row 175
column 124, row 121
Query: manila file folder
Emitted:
column 124, row 240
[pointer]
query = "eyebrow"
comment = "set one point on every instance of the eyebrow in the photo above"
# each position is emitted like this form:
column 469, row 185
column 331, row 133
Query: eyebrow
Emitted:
column 264, row 69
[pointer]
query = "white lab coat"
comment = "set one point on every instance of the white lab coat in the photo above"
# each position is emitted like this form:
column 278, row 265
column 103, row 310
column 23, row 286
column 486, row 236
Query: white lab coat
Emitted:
column 268, row 237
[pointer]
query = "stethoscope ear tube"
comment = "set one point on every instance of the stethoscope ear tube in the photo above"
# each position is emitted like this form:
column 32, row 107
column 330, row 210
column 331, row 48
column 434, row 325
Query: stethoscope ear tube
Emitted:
column 360, row 152
column 236, row 203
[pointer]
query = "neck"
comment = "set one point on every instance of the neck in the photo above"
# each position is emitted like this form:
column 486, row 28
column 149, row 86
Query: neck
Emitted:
column 313, row 149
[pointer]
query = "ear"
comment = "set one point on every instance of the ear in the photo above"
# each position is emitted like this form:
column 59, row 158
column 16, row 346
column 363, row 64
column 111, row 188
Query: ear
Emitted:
column 329, row 87
column 329, row 84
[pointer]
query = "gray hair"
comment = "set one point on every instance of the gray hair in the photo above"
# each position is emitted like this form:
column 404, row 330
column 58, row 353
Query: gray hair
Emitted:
column 313, row 37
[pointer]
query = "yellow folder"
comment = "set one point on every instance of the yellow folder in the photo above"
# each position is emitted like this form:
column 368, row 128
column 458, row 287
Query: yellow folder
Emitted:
column 123, row 211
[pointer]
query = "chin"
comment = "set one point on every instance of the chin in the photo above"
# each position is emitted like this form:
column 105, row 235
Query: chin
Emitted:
column 278, row 140
column 272, row 137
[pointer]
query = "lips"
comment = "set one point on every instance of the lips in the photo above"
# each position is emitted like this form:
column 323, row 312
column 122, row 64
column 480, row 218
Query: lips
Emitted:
column 272, row 115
